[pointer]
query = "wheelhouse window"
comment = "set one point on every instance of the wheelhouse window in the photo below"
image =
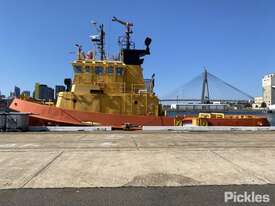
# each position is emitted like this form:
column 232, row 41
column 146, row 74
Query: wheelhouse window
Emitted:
column 119, row 71
column 99, row 70
column 110, row 70
column 87, row 69
column 77, row 69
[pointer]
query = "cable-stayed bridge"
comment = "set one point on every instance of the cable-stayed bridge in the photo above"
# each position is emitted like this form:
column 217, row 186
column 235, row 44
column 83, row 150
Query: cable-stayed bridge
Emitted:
column 206, row 88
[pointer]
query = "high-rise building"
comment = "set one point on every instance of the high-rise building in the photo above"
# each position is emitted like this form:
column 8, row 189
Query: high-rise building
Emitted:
column 43, row 92
column 26, row 93
column 50, row 94
column 59, row 88
column 36, row 93
column 43, row 89
column 16, row 91
column 268, row 83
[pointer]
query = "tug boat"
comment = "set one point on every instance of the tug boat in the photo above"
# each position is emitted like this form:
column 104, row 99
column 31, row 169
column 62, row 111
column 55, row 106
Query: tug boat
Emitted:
column 110, row 92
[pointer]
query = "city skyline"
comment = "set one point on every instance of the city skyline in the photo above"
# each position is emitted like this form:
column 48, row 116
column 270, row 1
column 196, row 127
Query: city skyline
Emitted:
column 233, row 39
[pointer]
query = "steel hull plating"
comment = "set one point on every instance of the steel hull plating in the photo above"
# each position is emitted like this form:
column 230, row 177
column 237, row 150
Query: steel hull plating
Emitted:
column 51, row 115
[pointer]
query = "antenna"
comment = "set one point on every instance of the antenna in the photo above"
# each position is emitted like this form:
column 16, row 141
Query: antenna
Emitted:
column 80, row 53
column 99, row 39
column 128, row 31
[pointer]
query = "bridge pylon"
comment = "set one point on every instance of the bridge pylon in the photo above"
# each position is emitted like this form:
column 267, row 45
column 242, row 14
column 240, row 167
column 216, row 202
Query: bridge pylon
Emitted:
column 205, row 88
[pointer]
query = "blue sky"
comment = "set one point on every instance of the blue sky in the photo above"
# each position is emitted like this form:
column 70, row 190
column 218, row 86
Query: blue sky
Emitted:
column 234, row 39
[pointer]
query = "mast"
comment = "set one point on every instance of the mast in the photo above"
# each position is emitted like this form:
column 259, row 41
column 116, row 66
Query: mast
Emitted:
column 99, row 40
column 128, row 31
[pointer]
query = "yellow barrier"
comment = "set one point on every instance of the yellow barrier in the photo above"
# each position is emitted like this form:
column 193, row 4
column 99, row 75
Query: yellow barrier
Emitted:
column 195, row 121
column 204, row 115
column 178, row 122
column 211, row 115
column 200, row 121
column 217, row 115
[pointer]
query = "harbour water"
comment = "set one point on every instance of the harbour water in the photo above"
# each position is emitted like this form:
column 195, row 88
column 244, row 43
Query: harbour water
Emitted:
column 270, row 116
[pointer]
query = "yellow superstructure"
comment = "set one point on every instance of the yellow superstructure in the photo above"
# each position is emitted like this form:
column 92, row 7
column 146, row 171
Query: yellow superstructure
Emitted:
column 109, row 87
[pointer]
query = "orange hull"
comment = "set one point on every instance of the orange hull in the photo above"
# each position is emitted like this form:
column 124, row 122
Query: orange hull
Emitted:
column 51, row 115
